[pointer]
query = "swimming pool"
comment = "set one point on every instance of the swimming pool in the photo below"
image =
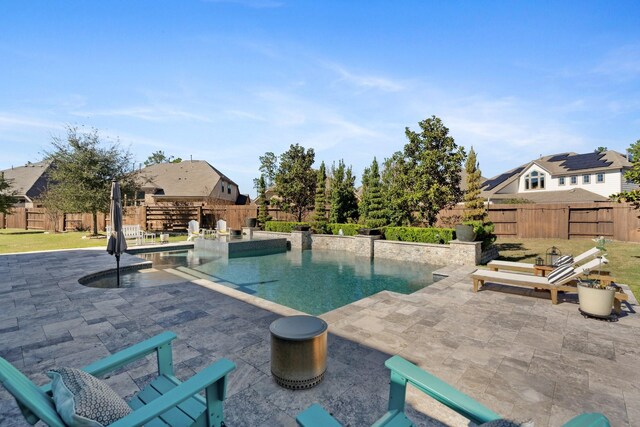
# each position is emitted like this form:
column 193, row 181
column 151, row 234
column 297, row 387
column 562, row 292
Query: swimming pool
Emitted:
column 314, row 282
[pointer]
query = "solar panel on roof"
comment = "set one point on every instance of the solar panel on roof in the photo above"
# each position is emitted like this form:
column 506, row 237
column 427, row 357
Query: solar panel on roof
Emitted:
column 559, row 157
column 490, row 184
column 585, row 161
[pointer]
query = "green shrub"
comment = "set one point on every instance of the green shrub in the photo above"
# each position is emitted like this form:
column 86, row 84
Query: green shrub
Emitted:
column 282, row 226
column 419, row 234
column 484, row 232
column 347, row 229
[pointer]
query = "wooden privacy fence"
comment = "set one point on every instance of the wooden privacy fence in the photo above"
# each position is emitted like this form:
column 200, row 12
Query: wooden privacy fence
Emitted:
column 618, row 221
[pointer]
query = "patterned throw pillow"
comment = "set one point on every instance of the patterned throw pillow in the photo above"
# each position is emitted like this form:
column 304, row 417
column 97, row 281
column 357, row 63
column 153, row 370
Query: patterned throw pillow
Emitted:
column 563, row 260
column 560, row 273
column 83, row 400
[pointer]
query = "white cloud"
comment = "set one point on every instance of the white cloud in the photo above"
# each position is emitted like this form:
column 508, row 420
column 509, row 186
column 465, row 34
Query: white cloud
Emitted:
column 622, row 63
column 367, row 81
column 154, row 113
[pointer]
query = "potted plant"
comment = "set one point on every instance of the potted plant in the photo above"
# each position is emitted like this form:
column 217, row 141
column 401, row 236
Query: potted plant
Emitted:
column 594, row 294
column 465, row 233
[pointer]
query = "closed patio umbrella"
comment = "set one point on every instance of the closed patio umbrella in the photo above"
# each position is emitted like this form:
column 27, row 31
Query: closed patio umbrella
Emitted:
column 117, row 243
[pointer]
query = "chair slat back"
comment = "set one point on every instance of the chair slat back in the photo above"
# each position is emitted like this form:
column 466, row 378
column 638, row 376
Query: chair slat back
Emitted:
column 33, row 402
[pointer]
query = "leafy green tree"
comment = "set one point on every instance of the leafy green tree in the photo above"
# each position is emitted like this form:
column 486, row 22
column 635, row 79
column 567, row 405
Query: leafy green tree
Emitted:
column 295, row 180
column 158, row 157
column 600, row 149
column 426, row 175
column 474, row 209
column 82, row 171
column 633, row 175
column 263, row 214
column 395, row 182
column 375, row 214
column 268, row 168
column 344, row 203
column 320, row 216
column 7, row 196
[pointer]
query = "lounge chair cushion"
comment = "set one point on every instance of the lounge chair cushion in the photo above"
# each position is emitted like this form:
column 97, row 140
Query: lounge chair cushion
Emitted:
column 503, row 422
column 563, row 260
column 560, row 273
column 83, row 400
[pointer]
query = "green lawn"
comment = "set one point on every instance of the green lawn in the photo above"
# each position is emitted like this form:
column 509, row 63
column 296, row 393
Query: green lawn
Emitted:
column 16, row 240
column 624, row 258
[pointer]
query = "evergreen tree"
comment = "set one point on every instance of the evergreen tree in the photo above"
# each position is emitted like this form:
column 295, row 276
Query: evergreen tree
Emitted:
column 425, row 177
column 320, row 217
column 344, row 203
column 7, row 198
column 82, row 170
column 296, row 180
column 474, row 209
column 363, row 205
column 263, row 215
column 377, row 215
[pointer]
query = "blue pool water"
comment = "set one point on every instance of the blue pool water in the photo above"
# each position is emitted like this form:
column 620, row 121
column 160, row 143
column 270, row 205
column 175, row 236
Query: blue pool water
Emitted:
column 310, row 281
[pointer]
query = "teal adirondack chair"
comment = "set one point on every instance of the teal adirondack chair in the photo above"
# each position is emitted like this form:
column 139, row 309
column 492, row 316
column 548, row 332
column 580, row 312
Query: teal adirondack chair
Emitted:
column 165, row 401
column 403, row 372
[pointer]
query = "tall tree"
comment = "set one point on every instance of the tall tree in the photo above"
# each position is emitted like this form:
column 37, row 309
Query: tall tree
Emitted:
column 428, row 170
column 7, row 196
column 268, row 169
column 320, row 216
column 395, row 182
column 474, row 209
column 363, row 205
column 263, row 215
column 344, row 203
column 633, row 175
column 295, row 180
column 82, row 171
column 375, row 214
column 158, row 157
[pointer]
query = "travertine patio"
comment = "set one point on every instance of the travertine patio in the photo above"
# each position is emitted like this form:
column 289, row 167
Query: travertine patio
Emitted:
column 517, row 354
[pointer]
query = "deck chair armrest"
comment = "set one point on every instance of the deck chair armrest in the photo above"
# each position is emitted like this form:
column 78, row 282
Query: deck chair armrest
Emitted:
column 200, row 381
column 440, row 391
column 125, row 356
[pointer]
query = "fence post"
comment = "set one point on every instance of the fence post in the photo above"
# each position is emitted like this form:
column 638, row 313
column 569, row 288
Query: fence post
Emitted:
column 200, row 214
column 26, row 218
column 3, row 224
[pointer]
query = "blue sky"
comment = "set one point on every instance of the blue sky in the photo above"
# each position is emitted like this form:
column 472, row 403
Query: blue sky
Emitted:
column 225, row 81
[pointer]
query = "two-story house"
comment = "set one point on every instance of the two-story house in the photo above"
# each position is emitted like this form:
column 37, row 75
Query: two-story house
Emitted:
column 191, row 181
column 566, row 177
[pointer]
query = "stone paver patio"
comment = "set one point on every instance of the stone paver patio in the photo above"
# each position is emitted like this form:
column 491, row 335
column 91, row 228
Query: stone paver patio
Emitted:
column 518, row 354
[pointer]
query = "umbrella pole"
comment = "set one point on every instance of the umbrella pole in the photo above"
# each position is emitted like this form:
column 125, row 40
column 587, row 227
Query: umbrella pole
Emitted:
column 118, row 269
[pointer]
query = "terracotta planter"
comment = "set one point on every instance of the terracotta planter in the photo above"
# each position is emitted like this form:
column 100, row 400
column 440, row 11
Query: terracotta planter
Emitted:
column 464, row 233
column 595, row 301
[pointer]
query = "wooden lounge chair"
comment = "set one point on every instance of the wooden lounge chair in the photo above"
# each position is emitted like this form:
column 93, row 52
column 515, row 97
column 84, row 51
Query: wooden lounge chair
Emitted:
column 525, row 267
column 165, row 401
column 568, row 284
column 404, row 372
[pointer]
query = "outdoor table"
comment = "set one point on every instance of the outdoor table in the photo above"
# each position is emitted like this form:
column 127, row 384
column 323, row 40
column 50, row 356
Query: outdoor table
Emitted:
column 298, row 351
column 148, row 236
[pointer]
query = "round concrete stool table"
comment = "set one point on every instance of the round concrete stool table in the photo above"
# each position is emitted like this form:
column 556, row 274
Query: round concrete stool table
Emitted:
column 298, row 351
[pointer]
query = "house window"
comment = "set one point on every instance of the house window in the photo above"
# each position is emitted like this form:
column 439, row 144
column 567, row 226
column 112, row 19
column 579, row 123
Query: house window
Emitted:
column 229, row 188
column 534, row 181
column 599, row 178
column 561, row 180
column 223, row 187
column 586, row 179
column 573, row 180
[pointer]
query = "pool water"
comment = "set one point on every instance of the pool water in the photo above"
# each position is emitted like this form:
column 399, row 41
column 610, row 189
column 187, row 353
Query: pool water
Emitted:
column 314, row 282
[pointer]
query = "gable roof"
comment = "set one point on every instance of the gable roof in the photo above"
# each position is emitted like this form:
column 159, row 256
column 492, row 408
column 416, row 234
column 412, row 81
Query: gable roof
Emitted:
column 193, row 178
column 29, row 180
column 561, row 164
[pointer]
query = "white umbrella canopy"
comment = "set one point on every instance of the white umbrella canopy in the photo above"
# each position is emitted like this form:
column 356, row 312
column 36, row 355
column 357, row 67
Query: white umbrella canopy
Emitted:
column 117, row 244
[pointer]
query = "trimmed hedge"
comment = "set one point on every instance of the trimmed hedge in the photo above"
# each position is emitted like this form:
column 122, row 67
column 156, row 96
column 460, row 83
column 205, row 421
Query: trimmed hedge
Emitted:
column 347, row 229
column 419, row 234
column 282, row 226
